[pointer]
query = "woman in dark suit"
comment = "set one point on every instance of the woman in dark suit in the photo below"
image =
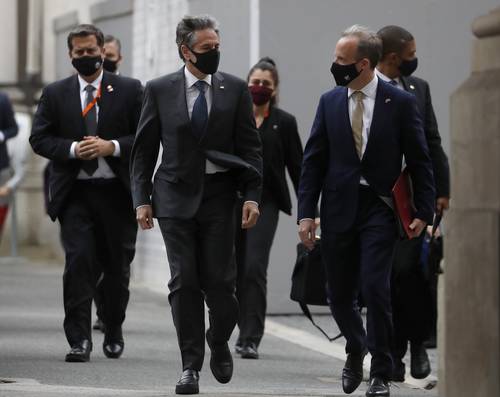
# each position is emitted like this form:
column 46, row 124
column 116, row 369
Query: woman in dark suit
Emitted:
column 282, row 149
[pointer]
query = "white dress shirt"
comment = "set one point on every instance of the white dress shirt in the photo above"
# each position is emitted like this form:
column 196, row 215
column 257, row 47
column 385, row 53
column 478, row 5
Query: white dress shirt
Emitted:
column 370, row 91
column 103, row 169
column 383, row 77
column 191, row 95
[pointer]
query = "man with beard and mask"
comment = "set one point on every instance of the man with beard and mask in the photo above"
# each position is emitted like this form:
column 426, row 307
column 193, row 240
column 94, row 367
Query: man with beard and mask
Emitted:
column 112, row 60
column 112, row 54
column 211, row 149
column 414, row 313
column 353, row 157
column 85, row 124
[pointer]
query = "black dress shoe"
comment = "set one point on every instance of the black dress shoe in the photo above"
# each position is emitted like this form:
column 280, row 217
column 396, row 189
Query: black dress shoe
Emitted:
column 378, row 387
column 398, row 373
column 98, row 325
column 249, row 350
column 113, row 344
column 352, row 374
column 221, row 361
column 80, row 352
column 420, row 365
column 188, row 383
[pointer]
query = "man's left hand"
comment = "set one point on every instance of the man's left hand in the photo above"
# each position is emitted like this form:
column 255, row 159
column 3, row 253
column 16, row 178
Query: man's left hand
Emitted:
column 442, row 204
column 250, row 215
column 92, row 147
column 416, row 227
column 5, row 191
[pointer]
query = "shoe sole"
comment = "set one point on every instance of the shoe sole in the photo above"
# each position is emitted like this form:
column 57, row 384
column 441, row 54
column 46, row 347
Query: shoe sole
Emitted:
column 70, row 358
column 250, row 356
column 187, row 389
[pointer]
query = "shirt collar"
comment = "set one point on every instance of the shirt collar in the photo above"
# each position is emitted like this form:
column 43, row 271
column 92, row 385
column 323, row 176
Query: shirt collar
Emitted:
column 370, row 90
column 383, row 77
column 191, row 78
column 95, row 83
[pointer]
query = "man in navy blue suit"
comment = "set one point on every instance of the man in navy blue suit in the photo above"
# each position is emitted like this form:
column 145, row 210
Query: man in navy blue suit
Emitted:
column 353, row 157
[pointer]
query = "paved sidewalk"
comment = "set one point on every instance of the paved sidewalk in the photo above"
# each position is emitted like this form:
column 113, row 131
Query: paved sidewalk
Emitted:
column 33, row 346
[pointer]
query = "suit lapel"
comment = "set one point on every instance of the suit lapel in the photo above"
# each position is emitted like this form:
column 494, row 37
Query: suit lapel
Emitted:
column 108, row 91
column 178, row 86
column 218, row 90
column 382, row 102
column 75, row 105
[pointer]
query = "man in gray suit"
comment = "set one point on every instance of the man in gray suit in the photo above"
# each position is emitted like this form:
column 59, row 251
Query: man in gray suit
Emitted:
column 211, row 151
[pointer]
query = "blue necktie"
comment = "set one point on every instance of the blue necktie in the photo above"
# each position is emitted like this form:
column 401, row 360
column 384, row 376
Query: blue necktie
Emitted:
column 90, row 166
column 199, row 116
column 394, row 83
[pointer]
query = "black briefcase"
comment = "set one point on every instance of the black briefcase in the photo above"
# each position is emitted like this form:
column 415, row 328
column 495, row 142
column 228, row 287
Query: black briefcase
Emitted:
column 308, row 278
column 309, row 284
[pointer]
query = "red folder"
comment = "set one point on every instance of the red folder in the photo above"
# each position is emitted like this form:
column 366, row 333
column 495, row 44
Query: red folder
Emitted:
column 402, row 195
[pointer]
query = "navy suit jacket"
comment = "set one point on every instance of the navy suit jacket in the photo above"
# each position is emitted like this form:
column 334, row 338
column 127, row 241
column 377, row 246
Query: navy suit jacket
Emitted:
column 332, row 167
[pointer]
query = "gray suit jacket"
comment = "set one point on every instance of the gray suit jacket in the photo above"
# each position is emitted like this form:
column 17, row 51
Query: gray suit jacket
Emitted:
column 231, row 140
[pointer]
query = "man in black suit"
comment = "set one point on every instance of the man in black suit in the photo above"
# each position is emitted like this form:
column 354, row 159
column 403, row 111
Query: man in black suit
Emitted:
column 8, row 129
column 412, row 303
column 211, row 149
column 85, row 125
column 361, row 132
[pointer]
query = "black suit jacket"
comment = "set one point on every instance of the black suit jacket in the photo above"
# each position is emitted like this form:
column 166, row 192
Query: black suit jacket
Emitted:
column 441, row 168
column 281, row 149
column 8, row 126
column 231, row 140
column 58, row 122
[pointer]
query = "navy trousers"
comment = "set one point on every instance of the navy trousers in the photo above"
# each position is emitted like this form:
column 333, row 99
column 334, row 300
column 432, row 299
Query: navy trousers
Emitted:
column 359, row 261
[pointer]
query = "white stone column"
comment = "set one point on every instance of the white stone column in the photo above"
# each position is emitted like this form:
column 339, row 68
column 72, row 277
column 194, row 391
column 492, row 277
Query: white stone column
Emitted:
column 471, row 314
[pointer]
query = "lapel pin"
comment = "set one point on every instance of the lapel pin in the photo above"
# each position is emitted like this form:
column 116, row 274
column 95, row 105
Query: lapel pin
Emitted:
column 387, row 100
column 109, row 88
column 412, row 86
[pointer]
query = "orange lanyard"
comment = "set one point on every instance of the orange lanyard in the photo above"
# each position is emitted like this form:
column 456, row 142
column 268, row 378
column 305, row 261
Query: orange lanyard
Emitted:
column 92, row 104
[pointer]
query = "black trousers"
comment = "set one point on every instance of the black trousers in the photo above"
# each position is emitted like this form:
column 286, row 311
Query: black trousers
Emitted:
column 360, row 260
column 253, row 247
column 98, row 233
column 411, row 297
column 200, row 253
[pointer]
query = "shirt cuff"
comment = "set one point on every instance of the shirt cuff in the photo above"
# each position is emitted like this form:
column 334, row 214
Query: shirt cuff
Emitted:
column 72, row 154
column 117, row 151
column 306, row 219
column 250, row 201
column 2, row 137
column 143, row 205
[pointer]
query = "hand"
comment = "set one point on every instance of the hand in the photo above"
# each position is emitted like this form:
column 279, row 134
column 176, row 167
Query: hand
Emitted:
column 5, row 191
column 93, row 147
column 307, row 232
column 442, row 204
column 144, row 216
column 249, row 215
column 416, row 227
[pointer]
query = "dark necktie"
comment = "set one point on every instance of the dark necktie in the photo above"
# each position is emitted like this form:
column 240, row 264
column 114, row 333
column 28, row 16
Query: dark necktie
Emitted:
column 199, row 116
column 393, row 82
column 90, row 166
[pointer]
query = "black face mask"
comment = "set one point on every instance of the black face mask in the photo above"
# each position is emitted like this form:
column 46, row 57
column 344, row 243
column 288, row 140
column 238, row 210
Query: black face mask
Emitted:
column 87, row 66
column 344, row 74
column 207, row 62
column 110, row 65
column 408, row 67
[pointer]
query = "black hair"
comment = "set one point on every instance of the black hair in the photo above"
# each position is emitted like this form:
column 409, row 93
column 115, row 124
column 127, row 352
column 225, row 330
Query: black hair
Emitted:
column 109, row 38
column 85, row 30
column 394, row 39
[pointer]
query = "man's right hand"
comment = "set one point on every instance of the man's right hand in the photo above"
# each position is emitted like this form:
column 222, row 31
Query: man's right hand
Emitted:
column 307, row 232
column 144, row 216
